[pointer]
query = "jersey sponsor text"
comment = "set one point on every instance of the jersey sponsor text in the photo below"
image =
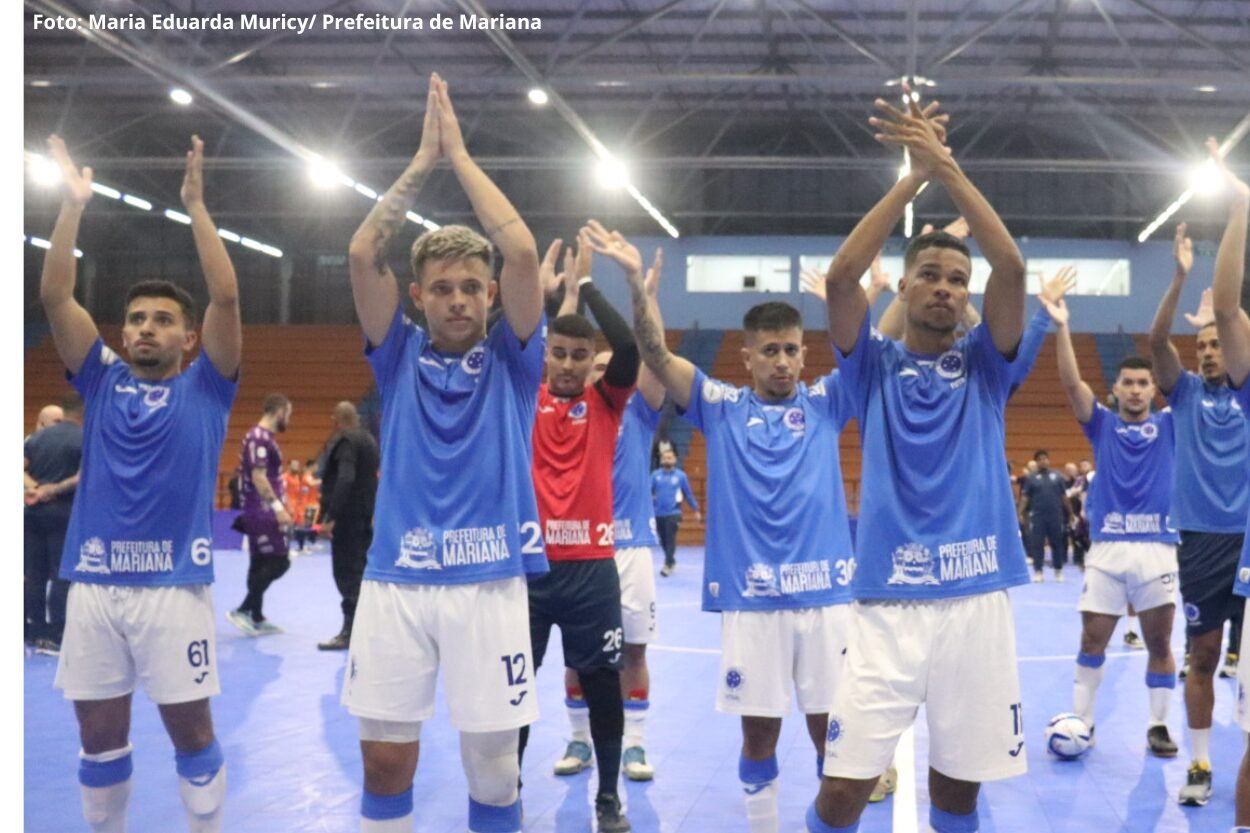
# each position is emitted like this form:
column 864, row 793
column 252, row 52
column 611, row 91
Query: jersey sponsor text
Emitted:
column 567, row 533
column 968, row 559
column 806, row 576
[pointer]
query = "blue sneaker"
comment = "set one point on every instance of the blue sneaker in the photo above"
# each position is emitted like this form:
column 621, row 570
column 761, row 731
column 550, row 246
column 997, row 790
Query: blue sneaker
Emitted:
column 576, row 758
column 634, row 763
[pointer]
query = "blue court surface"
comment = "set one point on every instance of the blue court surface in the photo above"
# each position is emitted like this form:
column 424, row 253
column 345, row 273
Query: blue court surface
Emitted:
column 294, row 763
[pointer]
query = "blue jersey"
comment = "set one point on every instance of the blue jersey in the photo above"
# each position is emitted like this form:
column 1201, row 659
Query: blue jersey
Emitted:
column 632, row 510
column 455, row 502
column 668, row 488
column 1128, row 500
column 936, row 513
column 1242, row 586
column 778, row 536
column 143, row 512
column 1210, row 490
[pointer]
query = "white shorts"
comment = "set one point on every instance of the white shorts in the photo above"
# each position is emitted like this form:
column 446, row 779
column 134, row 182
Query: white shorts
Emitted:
column 478, row 633
column 637, row 594
column 1120, row 573
column 1243, row 678
column 766, row 652
column 165, row 637
column 957, row 656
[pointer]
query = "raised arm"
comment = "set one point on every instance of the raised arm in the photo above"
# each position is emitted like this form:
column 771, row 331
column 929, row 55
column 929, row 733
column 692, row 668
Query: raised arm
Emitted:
column 1230, row 270
column 651, row 388
column 674, row 372
column 1003, row 308
column 222, row 334
column 622, row 370
column 519, row 285
column 73, row 331
column 1167, row 361
column 878, row 281
column 374, row 288
column 1080, row 396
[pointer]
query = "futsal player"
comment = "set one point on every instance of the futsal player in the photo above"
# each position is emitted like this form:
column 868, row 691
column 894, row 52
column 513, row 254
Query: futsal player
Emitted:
column 139, row 545
column 1233, row 331
column 938, row 539
column 778, row 561
column 575, row 436
column 445, row 581
column 265, row 519
column 635, row 539
column 1132, row 558
column 1209, row 506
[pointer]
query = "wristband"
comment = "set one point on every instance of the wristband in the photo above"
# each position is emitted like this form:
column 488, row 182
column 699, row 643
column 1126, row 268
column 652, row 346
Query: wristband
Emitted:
column 276, row 506
column 583, row 281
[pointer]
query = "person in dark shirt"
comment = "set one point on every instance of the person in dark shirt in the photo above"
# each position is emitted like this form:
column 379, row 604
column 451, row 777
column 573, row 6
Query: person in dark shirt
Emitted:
column 348, row 487
column 1044, row 506
column 53, row 455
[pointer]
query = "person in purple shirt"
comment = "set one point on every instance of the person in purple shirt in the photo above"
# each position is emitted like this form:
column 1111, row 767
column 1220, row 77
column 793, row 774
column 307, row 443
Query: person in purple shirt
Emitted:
column 265, row 519
column 669, row 485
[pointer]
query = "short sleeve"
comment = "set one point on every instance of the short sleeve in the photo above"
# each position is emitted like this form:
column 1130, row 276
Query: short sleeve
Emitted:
column 526, row 360
column 90, row 378
column 987, row 361
column 208, row 379
column 1184, row 389
column 1093, row 428
column 831, row 396
column 706, row 407
column 858, row 368
column 648, row 416
column 384, row 358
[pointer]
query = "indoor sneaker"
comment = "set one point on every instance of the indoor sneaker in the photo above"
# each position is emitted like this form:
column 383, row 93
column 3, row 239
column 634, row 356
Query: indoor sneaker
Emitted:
column 885, row 786
column 576, row 758
column 1160, row 742
column 1197, row 789
column 608, row 814
column 634, row 762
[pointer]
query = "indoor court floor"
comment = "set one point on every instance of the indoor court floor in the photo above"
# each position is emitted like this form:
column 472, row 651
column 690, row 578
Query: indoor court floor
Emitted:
column 294, row 763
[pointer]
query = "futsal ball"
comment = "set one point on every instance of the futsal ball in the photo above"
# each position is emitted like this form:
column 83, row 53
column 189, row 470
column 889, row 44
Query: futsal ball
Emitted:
column 1067, row 736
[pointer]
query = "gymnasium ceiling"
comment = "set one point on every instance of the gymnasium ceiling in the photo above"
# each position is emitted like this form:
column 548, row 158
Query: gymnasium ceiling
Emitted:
column 1077, row 117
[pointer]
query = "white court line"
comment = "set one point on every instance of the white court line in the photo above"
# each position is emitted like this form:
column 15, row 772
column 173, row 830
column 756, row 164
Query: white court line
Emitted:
column 905, row 789
column 678, row 649
column 1072, row 657
column 1061, row 605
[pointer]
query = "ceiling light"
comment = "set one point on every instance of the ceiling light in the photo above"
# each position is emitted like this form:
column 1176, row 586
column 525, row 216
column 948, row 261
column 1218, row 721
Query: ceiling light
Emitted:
column 1205, row 179
column 180, row 96
column 538, row 96
column 325, row 173
column 44, row 171
column 1205, row 88
column 611, row 173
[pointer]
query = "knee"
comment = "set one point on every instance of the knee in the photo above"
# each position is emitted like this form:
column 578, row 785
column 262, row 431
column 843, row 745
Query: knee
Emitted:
column 759, row 736
column 387, row 768
column 491, row 766
column 1204, row 658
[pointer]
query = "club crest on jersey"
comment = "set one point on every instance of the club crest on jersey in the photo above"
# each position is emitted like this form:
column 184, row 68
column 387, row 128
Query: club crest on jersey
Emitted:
column 91, row 557
column 417, row 550
column 1149, row 430
column 950, row 365
column 474, row 360
column 834, row 733
column 579, row 410
column 156, row 397
column 795, row 420
column 913, row 564
column 761, row 581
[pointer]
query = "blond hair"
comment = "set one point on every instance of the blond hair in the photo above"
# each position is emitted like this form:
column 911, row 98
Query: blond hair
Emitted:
column 450, row 243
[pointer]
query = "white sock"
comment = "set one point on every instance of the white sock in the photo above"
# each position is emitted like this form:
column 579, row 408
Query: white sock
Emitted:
column 635, row 722
column 403, row 824
column 1085, row 690
column 762, row 813
column 204, row 801
column 104, row 808
column 1200, row 745
column 579, row 720
column 1160, row 699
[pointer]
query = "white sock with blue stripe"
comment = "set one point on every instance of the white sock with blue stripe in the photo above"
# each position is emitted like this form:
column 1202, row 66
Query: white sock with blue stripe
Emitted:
column 759, row 782
column 104, row 781
column 202, row 785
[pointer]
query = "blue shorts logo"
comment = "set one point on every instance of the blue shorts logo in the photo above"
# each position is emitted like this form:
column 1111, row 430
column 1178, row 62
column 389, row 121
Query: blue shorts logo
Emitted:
column 835, row 730
column 733, row 679
column 1191, row 613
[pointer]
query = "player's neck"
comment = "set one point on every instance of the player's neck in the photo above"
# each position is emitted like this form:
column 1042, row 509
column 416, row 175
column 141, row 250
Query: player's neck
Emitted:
column 1127, row 417
column 927, row 342
column 155, row 374
column 464, row 345
column 268, row 423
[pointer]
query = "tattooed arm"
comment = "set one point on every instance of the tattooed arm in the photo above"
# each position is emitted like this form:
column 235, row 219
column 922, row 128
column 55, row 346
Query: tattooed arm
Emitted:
column 674, row 372
column 373, row 284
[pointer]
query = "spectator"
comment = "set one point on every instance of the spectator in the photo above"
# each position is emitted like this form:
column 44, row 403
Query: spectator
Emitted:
column 53, row 455
column 49, row 415
column 349, row 487
column 1043, row 504
column 668, row 485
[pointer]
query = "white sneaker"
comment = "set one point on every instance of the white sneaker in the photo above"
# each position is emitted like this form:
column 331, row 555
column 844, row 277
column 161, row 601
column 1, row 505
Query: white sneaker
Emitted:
column 634, row 763
column 1038, row 578
column 1059, row 576
column 576, row 758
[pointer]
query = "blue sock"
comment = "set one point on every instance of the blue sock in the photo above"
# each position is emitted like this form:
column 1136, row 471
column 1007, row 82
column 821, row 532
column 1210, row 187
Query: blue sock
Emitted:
column 107, row 773
column 490, row 818
column 1091, row 660
column 815, row 825
column 1154, row 680
column 383, row 807
column 757, row 772
column 944, row 822
column 820, row 766
column 199, row 767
